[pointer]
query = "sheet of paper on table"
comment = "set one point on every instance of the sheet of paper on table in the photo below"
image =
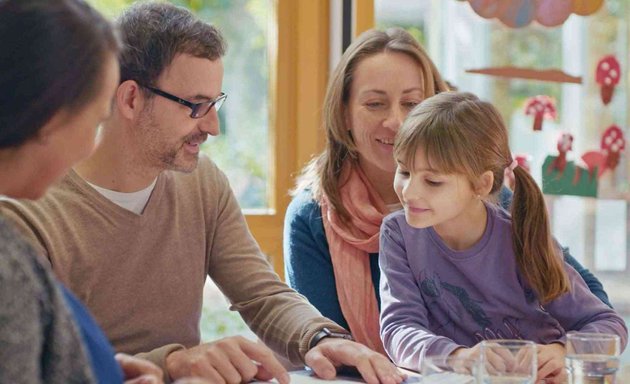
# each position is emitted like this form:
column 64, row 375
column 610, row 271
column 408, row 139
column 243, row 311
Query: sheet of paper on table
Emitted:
column 307, row 377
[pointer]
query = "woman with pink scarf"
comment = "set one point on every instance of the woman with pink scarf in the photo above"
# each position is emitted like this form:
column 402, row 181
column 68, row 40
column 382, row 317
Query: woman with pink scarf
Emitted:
column 331, row 233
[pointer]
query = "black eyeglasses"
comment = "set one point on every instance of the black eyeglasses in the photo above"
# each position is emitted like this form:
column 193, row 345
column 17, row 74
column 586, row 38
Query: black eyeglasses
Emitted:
column 199, row 110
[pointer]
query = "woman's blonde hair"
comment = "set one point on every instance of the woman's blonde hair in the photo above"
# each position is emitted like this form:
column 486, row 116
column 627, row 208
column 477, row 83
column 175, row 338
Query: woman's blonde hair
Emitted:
column 321, row 175
column 458, row 133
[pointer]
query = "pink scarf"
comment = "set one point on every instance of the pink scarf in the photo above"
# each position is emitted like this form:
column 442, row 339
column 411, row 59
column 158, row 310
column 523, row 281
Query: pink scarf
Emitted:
column 349, row 247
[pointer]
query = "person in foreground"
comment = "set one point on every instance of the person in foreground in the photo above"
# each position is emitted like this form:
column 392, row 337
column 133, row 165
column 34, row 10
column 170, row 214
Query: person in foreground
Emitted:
column 49, row 110
column 331, row 231
column 458, row 269
column 135, row 229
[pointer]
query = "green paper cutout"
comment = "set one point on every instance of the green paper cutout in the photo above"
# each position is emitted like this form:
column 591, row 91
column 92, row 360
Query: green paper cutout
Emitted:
column 554, row 183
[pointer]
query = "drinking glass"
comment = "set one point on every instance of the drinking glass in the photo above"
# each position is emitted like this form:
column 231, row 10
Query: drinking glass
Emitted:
column 449, row 370
column 592, row 357
column 508, row 361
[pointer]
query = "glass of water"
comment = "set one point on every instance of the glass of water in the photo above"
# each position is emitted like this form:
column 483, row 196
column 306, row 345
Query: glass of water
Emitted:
column 449, row 370
column 592, row 357
column 508, row 361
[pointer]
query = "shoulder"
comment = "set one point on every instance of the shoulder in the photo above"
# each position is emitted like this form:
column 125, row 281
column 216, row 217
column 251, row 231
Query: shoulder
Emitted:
column 18, row 263
column 304, row 215
column 206, row 170
column 12, row 242
column 394, row 225
column 303, row 205
column 207, row 177
column 207, row 167
column 501, row 216
column 63, row 203
column 394, row 220
column 65, row 195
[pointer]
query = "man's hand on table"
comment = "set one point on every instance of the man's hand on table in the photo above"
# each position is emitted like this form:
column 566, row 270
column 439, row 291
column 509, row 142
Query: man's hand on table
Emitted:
column 332, row 353
column 231, row 360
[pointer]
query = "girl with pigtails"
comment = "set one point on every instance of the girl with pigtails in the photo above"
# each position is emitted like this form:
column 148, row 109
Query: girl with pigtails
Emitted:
column 456, row 269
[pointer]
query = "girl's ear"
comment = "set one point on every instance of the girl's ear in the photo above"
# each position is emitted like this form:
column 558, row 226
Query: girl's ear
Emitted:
column 484, row 186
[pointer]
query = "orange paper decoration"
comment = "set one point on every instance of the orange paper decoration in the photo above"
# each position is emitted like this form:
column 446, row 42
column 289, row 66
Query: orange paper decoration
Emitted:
column 520, row 13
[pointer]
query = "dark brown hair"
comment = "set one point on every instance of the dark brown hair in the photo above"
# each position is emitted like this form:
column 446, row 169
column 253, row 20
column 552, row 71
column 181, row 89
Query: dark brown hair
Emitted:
column 53, row 54
column 153, row 33
column 461, row 134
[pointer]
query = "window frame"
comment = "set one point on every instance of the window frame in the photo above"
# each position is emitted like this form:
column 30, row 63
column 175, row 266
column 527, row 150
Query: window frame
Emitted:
column 299, row 72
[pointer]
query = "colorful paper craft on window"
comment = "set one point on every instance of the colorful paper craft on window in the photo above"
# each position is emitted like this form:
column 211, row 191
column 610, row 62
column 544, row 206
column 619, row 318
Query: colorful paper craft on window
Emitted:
column 541, row 107
column 607, row 75
column 563, row 177
column 607, row 158
column 520, row 13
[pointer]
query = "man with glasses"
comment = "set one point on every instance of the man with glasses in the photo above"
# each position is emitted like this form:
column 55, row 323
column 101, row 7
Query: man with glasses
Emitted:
column 135, row 229
column 197, row 110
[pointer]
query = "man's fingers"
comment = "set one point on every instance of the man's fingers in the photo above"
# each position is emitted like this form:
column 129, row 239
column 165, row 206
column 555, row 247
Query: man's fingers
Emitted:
column 386, row 372
column 207, row 372
column 262, row 374
column 367, row 371
column 321, row 366
column 227, row 361
column 245, row 367
column 265, row 357
column 224, row 364
column 192, row 380
column 134, row 367
column 373, row 367
column 144, row 379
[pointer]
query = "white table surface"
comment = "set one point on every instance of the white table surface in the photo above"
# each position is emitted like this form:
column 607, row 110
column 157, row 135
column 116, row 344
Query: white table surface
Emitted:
column 307, row 377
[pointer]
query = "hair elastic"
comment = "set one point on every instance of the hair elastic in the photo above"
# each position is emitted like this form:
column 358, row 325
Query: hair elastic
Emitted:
column 513, row 165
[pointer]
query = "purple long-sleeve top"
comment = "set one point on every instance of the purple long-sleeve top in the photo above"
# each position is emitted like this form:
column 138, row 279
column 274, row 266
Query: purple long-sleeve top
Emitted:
column 435, row 299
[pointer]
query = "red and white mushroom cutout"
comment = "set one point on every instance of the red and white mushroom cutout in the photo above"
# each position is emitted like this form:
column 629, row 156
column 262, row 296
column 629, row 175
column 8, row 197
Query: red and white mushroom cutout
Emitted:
column 565, row 144
column 612, row 144
column 540, row 107
column 608, row 75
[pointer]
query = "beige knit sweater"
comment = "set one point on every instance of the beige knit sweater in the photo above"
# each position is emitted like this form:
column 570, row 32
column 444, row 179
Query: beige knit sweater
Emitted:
column 142, row 276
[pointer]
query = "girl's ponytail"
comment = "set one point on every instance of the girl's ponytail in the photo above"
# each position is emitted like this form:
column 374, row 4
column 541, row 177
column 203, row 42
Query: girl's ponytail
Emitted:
column 536, row 254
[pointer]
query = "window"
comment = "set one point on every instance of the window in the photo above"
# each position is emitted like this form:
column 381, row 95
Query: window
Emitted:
column 596, row 230
column 242, row 149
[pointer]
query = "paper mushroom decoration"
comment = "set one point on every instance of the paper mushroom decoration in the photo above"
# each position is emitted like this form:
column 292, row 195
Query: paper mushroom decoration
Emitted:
column 564, row 145
column 611, row 146
column 540, row 107
column 607, row 75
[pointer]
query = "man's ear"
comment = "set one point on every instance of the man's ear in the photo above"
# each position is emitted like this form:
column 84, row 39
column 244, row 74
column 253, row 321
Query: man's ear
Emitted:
column 484, row 186
column 130, row 99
